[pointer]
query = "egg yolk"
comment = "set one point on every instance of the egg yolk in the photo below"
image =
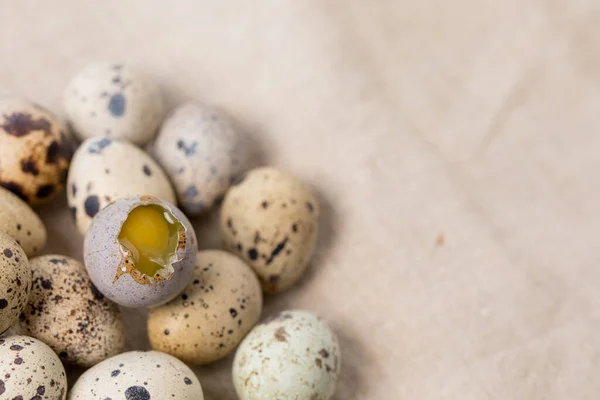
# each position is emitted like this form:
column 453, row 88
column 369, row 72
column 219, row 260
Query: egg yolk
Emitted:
column 150, row 233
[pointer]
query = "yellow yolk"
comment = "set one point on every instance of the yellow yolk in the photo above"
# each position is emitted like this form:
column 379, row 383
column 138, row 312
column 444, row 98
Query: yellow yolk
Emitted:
column 147, row 233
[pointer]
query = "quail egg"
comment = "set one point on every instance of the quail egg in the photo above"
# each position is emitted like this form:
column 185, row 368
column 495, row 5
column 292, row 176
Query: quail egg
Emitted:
column 35, row 150
column 270, row 219
column 15, row 281
column 113, row 100
column 140, row 251
column 21, row 223
column 69, row 314
column 104, row 170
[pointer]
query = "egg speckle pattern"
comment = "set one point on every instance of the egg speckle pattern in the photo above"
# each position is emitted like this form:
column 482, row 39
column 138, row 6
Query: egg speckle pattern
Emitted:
column 201, row 152
column 21, row 223
column 104, row 170
column 35, row 150
column 216, row 310
column 292, row 355
column 115, row 268
column 15, row 281
column 30, row 370
column 69, row 314
column 113, row 100
column 270, row 219
column 137, row 375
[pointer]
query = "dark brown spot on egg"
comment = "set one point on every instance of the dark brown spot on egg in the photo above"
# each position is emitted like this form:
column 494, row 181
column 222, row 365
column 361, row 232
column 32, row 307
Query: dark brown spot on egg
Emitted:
column 22, row 124
column 281, row 335
column 15, row 188
column 44, row 191
column 29, row 166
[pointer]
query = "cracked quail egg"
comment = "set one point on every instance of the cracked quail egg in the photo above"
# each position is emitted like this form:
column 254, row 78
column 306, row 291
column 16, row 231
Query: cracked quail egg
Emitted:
column 140, row 251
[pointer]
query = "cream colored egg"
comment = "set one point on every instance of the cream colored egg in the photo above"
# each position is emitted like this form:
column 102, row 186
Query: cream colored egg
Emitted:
column 21, row 223
column 35, row 149
column 113, row 100
column 201, row 152
column 138, row 375
column 69, row 314
column 15, row 281
column 293, row 355
column 104, row 170
column 30, row 370
column 211, row 316
column 270, row 219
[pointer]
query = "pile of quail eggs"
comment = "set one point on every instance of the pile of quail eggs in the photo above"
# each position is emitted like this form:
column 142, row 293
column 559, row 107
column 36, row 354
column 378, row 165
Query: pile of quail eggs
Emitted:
column 131, row 184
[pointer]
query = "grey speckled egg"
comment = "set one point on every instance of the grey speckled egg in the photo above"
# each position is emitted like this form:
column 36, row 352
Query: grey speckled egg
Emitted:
column 30, row 370
column 270, row 219
column 15, row 281
column 212, row 315
column 113, row 100
column 104, row 170
column 69, row 314
column 138, row 375
column 21, row 223
column 35, row 150
column 117, row 271
column 293, row 355
column 201, row 152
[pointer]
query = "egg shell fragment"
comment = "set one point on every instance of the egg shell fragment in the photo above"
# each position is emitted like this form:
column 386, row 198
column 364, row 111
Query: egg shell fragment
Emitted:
column 29, row 369
column 292, row 355
column 201, row 151
column 113, row 100
column 21, row 223
column 69, row 314
column 111, row 268
column 138, row 375
column 35, row 150
column 216, row 310
column 104, row 170
column 15, row 281
column 270, row 219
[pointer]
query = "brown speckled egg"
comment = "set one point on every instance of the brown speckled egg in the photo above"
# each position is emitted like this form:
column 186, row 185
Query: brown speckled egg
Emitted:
column 292, row 355
column 29, row 369
column 113, row 100
column 140, row 251
column 15, row 281
column 69, row 314
column 138, row 375
column 270, row 219
column 212, row 315
column 104, row 170
column 21, row 223
column 34, row 151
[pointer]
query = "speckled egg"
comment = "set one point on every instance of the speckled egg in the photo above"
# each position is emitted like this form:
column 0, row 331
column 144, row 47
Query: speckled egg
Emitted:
column 69, row 314
column 138, row 375
column 113, row 100
column 104, row 170
column 140, row 251
column 201, row 152
column 35, row 150
column 270, row 219
column 293, row 355
column 29, row 369
column 15, row 281
column 212, row 315
column 21, row 223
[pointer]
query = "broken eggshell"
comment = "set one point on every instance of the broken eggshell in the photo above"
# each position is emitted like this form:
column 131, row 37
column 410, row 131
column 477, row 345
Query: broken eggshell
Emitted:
column 111, row 265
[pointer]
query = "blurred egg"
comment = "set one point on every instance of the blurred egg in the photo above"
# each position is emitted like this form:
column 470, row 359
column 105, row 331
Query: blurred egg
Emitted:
column 113, row 100
column 138, row 375
column 216, row 310
column 34, row 151
column 15, row 281
column 140, row 251
column 104, row 170
column 292, row 355
column 69, row 314
column 30, row 370
column 21, row 223
column 270, row 219
column 201, row 152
